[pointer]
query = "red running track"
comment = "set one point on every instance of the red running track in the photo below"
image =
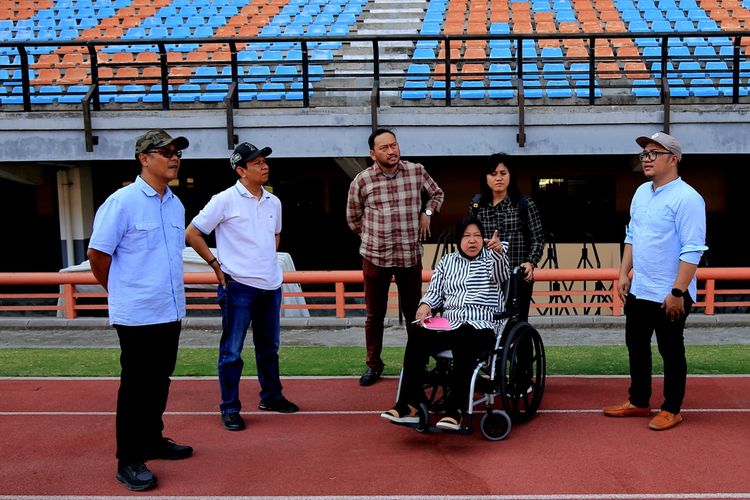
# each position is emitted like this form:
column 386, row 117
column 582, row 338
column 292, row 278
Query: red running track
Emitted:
column 57, row 438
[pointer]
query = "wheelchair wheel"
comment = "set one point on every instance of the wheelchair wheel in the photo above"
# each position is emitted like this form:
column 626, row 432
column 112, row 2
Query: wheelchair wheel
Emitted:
column 522, row 372
column 495, row 425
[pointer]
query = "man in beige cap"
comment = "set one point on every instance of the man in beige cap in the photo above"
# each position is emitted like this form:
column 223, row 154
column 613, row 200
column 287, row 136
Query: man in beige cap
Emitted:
column 663, row 244
column 136, row 255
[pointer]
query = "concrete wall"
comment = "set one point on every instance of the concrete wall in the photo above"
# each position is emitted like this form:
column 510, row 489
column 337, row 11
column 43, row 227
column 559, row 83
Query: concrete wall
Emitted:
column 342, row 132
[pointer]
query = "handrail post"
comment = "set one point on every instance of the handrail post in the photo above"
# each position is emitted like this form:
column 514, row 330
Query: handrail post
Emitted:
column 164, row 76
column 305, row 75
column 592, row 71
column 88, row 131
column 25, row 81
column 340, row 300
column 231, row 97
column 736, row 70
column 710, row 295
column 448, row 77
column 69, row 301
column 521, row 136
column 375, row 94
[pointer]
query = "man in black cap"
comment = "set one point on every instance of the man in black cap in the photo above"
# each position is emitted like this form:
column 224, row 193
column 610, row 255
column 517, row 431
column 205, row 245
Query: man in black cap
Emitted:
column 247, row 221
column 136, row 255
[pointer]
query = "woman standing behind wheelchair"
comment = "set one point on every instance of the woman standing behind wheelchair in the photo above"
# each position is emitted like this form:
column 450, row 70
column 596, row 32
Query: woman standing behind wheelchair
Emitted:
column 467, row 287
column 502, row 208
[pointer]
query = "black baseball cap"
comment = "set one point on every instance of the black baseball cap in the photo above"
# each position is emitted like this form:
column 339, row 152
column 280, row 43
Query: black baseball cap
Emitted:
column 246, row 152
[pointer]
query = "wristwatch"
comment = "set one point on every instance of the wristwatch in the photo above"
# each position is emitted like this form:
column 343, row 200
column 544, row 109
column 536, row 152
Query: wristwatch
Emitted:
column 678, row 293
column 428, row 212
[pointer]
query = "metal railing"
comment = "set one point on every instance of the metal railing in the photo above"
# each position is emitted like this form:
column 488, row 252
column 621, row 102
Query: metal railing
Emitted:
column 381, row 75
column 339, row 298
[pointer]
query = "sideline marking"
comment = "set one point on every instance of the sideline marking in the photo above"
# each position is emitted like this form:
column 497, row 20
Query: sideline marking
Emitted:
column 326, row 412
column 593, row 496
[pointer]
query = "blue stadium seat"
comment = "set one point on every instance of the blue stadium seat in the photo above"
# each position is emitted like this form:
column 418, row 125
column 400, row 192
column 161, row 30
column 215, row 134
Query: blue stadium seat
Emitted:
column 717, row 69
column 651, row 52
column 678, row 52
column 705, row 52
column 472, row 89
column 214, row 92
column 247, row 92
column 532, row 89
column 131, row 93
column 690, row 69
column 431, row 29
column 554, row 71
column 418, row 72
column 559, row 89
column 656, row 69
column 422, row 53
column 501, row 89
column 708, row 25
column 639, row 26
column 48, row 94
column 500, row 53
column 321, row 55
column 315, row 72
column 205, row 74
column 295, row 92
column 703, row 87
column 438, row 89
column 719, row 41
column 500, row 71
column 653, row 15
column 582, row 89
column 107, row 93
column 272, row 55
column 684, row 25
column 414, row 90
column 676, row 15
column 499, row 29
column 552, row 53
column 186, row 92
column 646, row 42
column 73, row 94
column 630, row 15
column 316, row 30
column 579, row 71
column 697, row 14
column 272, row 91
column 339, row 30
column 257, row 74
column 661, row 26
column 645, row 88
column 695, row 41
column 677, row 87
column 284, row 73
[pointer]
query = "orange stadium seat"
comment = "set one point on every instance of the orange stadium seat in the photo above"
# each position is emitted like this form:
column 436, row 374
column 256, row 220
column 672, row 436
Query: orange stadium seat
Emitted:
column 476, row 44
column 500, row 16
column 577, row 52
column 628, row 52
column 544, row 17
column 548, row 43
column 546, row 27
column 179, row 74
column 636, row 71
column 439, row 72
column 74, row 76
column 248, row 31
column 592, row 27
column 472, row 72
column 150, row 75
column 47, row 61
column 197, row 56
column 122, row 58
column 72, row 59
column 475, row 53
column 523, row 27
column 147, row 58
column 47, row 76
column 569, row 27
column 477, row 28
column 608, row 70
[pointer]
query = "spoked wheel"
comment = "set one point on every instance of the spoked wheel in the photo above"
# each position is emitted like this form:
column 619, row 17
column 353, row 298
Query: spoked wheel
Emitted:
column 522, row 372
column 495, row 425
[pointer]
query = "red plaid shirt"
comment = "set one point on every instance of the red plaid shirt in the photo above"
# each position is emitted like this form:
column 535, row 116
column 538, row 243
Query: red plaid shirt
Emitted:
column 385, row 213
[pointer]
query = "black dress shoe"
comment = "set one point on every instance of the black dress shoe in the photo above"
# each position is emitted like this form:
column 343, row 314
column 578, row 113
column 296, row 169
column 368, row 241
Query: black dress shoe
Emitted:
column 232, row 421
column 169, row 450
column 282, row 405
column 136, row 477
column 369, row 377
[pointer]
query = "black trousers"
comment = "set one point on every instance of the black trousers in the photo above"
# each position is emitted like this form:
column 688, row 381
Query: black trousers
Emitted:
column 643, row 318
column 466, row 342
column 525, row 289
column 147, row 359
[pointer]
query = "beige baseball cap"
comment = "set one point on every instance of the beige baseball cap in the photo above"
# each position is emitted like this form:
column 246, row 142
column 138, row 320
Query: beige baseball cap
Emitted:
column 664, row 140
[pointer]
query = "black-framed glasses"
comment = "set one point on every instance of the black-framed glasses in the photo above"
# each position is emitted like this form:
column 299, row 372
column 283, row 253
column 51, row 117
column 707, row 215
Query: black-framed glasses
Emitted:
column 652, row 155
column 166, row 153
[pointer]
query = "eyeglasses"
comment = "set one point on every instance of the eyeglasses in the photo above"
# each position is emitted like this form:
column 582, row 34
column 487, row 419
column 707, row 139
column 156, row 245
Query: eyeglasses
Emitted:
column 166, row 153
column 652, row 155
column 385, row 148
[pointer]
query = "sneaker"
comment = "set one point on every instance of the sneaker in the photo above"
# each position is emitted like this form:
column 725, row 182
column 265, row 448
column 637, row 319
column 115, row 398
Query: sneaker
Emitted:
column 169, row 450
column 626, row 409
column 664, row 420
column 402, row 415
column 136, row 477
column 369, row 377
column 232, row 421
column 281, row 405
column 451, row 421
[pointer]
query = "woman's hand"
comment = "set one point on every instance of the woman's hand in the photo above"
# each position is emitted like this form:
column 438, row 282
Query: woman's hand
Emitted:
column 528, row 271
column 494, row 243
column 424, row 311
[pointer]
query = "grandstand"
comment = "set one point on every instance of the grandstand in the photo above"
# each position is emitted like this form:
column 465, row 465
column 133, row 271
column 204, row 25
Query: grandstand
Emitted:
column 564, row 84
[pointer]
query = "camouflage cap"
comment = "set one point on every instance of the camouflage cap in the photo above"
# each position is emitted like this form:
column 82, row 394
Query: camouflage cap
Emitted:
column 158, row 138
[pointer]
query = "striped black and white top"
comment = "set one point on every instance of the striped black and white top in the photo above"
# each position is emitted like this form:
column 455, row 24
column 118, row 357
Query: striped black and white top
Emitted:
column 470, row 291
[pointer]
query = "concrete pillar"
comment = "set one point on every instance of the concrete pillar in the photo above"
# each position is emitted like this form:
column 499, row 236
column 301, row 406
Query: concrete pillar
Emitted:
column 76, row 209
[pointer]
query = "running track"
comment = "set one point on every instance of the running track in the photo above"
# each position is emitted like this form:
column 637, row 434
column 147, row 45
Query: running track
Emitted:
column 57, row 439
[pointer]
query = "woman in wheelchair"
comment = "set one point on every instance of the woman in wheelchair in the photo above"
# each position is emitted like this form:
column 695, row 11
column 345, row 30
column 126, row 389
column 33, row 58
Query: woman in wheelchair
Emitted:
column 467, row 287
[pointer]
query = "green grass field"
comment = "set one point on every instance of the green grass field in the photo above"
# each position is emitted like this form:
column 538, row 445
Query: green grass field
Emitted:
column 337, row 361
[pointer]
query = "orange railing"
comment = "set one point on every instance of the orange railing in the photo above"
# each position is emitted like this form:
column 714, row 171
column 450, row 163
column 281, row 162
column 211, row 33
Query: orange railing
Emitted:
column 583, row 289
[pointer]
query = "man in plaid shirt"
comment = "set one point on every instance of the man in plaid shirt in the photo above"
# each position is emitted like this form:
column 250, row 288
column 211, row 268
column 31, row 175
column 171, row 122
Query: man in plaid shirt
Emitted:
column 385, row 208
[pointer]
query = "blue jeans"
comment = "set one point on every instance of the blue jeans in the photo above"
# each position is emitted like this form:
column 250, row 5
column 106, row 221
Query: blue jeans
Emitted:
column 242, row 305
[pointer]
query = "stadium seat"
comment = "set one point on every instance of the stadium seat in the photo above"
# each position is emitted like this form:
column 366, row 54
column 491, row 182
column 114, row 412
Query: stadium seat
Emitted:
column 472, row 90
column 558, row 89
column 271, row 92
column 579, row 71
column 705, row 52
column 295, row 92
column 554, row 71
column 257, row 74
column 438, row 90
column 499, row 71
column 186, row 92
column 501, row 89
column 418, row 72
column 423, row 53
column 656, row 69
column 582, row 89
column 131, row 93
column 532, row 89
column 690, row 69
column 205, row 74
column 247, row 92
column 703, row 87
column 284, row 73
column 677, row 87
column 414, row 90
column 645, row 88
column 717, row 69
column 74, row 94
column 214, row 92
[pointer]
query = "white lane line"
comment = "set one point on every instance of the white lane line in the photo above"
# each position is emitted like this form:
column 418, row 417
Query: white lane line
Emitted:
column 333, row 412
column 563, row 496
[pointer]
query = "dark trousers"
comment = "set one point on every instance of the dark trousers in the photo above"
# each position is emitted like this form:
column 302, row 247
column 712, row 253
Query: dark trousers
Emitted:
column 147, row 359
column 377, row 282
column 643, row 318
column 467, row 344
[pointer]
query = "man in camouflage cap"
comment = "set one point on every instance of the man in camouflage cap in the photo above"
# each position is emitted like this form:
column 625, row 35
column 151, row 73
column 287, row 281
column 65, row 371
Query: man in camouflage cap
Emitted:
column 136, row 255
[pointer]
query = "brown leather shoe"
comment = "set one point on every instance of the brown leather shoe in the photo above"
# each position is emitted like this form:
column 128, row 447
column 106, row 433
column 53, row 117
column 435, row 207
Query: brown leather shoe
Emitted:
column 664, row 420
column 626, row 409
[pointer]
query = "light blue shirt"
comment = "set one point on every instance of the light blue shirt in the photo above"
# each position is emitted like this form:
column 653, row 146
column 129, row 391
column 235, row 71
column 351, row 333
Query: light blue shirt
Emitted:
column 145, row 236
column 667, row 225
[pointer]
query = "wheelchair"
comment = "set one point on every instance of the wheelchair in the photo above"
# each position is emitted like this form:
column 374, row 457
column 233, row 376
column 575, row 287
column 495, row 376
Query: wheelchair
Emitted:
column 509, row 380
